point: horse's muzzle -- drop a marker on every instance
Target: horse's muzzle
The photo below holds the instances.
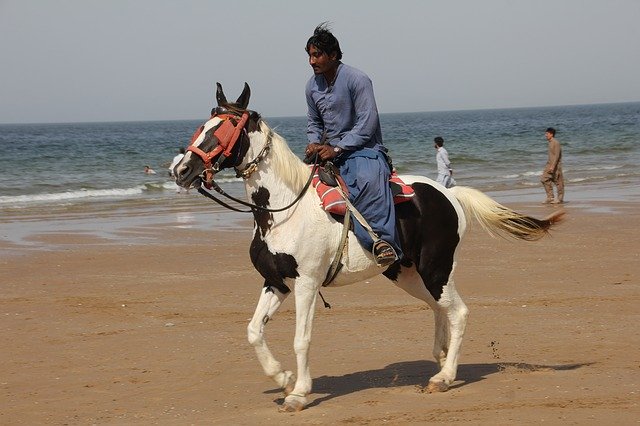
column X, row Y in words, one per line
column 187, row 176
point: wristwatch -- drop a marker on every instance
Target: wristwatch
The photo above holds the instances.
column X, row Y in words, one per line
column 337, row 150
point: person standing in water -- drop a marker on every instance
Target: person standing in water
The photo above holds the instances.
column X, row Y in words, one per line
column 552, row 173
column 445, row 172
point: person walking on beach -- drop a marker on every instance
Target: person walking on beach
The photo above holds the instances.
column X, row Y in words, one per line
column 341, row 106
column 552, row 174
column 445, row 172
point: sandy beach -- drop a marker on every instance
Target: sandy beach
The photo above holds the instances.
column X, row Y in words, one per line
column 97, row 331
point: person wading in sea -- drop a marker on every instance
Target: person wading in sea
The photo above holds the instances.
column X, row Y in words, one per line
column 552, row 174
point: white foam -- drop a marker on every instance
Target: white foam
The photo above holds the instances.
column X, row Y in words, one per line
column 72, row 195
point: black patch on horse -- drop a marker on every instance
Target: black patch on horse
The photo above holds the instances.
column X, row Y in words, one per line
column 274, row 267
column 263, row 219
column 428, row 230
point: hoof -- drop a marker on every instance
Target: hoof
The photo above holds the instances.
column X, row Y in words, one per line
column 290, row 384
column 292, row 406
column 439, row 386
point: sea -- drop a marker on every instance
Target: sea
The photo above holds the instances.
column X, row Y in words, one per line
column 74, row 177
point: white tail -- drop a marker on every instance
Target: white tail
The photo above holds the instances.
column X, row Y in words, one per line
column 498, row 219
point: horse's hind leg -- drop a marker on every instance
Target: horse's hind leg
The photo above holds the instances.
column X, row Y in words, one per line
column 441, row 339
column 451, row 320
column 450, row 314
column 269, row 302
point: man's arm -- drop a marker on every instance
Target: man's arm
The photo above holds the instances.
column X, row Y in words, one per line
column 315, row 124
column 366, row 120
column 447, row 163
column 554, row 156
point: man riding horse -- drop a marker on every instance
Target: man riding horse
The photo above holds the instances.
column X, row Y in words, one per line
column 342, row 107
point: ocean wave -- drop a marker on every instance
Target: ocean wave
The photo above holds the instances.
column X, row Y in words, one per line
column 566, row 169
column 587, row 179
column 97, row 194
column 521, row 175
column 73, row 195
column 603, row 168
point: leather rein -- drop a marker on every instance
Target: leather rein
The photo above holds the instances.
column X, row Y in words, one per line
column 228, row 135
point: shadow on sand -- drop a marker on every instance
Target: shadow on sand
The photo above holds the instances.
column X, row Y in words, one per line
column 414, row 373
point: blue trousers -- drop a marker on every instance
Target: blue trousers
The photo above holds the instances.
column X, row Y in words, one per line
column 366, row 173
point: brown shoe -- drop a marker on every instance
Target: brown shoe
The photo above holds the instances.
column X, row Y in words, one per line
column 385, row 254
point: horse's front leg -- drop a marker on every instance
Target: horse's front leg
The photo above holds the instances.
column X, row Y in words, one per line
column 306, row 295
column 269, row 302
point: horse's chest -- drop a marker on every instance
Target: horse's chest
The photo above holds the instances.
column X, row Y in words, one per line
column 274, row 267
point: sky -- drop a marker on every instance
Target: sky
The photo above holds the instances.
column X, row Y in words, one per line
column 137, row 60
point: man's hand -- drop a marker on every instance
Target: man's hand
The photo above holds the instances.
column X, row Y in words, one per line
column 312, row 148
column 325, row 152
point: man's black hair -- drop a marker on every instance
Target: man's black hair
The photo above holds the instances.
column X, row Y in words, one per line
column 552, row 131
column 438, row 140
column 324, row 41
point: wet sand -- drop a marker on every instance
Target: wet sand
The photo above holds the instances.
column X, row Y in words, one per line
column 150, row 328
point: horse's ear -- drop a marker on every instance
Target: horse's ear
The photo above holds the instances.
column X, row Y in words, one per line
column 220, row 97
column 243, row 99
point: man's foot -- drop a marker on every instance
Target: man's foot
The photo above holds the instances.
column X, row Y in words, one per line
column 557, row 202
column 547, row 201
column 383, row 252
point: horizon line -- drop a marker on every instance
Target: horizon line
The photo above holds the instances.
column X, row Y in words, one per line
column 302, row 116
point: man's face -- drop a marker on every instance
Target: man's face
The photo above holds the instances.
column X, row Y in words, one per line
column 548, row 135
column 320, row 61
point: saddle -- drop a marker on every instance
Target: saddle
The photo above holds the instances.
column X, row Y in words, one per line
column 326, row 180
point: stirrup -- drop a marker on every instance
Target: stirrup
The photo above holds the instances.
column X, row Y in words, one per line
column 384, row 253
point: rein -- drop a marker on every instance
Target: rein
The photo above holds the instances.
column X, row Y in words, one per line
column 253, row 207
column 252, row 166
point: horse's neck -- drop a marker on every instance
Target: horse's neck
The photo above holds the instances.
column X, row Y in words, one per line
column 266, row 183
column 280, row 176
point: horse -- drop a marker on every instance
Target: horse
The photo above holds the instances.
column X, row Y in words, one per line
column 287, row 215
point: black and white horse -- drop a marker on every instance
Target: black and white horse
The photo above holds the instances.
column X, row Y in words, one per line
column 431, row 226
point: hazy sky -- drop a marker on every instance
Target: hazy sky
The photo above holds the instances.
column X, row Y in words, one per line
column 90, row 60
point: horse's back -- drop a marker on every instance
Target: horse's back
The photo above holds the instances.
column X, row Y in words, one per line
column 430, row 229
column 436, row 201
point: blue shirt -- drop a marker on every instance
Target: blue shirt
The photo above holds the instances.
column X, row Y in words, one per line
column 348, row 113
column 346, row 110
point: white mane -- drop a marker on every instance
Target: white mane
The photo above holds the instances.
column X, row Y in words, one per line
column 285, row 163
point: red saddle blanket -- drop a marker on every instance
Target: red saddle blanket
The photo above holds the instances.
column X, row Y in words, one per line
column 332, row 201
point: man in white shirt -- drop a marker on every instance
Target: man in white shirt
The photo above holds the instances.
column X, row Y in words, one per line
column 174, row 163
column 445, row 172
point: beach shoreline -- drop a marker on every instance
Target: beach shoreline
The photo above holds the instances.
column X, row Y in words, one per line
column 141, row 222
column 148, row 325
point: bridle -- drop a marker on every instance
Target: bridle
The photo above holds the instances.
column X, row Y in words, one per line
column 228, row 135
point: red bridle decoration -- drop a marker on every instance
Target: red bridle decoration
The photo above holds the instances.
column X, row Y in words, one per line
column 227, row 135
